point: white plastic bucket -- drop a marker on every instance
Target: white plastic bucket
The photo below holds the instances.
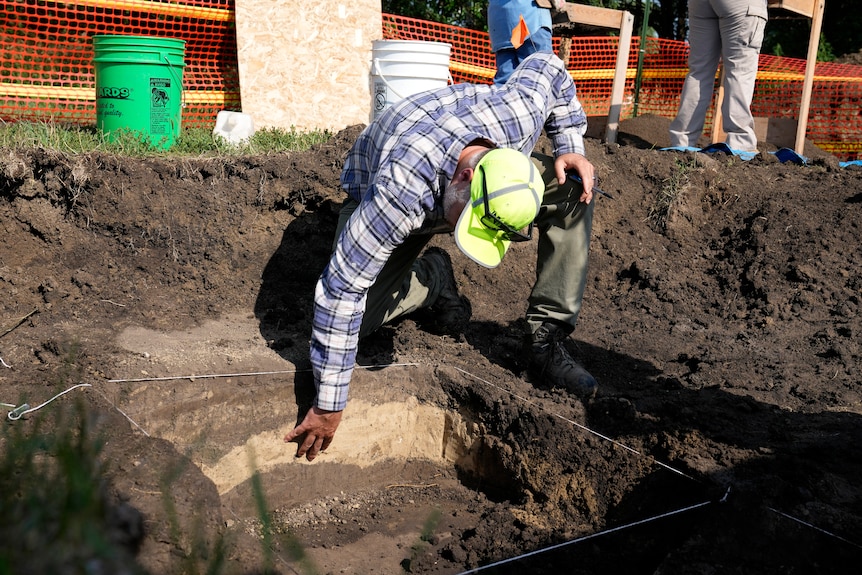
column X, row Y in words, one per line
column 401, row 68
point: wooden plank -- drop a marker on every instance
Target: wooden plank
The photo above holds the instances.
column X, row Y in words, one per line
column 605, row 18
column 597, row 127
column 589, row 15
column 779, row 132
column 776, row 131
column 803, row 7
column 565, row 49
column 306, row 64
column 718, row 134
column 808, row 82
column 618, row 88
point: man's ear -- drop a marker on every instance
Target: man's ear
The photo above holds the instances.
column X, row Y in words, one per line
column 463, row 175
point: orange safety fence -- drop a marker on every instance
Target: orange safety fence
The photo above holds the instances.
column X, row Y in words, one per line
column 47, row 72
column 834, row 121
column 46, row 66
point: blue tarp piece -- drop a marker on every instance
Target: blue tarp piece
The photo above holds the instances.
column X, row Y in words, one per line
column 725, row 149
column 850, row 163
column 784, row 154
column 718, row 148
column 788, row 155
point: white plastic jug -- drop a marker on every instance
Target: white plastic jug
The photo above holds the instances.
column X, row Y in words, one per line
column 235, row 127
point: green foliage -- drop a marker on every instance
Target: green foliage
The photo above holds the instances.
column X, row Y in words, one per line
column 798, row 50
column 428, row 528
column 472, row 14
column 48, row 135
column 56, row 512
column 670, row 190
column 59, row 517
column 667, row 17
column 191, row 142
column 842, row 26
column 277, row 140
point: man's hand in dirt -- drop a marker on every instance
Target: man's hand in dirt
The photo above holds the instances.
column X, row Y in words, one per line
column 584, row 169
column 319, row 428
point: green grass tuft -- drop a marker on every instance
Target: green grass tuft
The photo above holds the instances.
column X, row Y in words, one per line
column 191, row 141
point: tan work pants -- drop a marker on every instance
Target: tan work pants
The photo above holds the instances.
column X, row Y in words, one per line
column 408, row 283
column 732, row 31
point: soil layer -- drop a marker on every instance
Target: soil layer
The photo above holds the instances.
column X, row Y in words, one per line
column 722, row 320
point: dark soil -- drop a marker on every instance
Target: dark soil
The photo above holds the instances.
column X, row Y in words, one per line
column 722, row 320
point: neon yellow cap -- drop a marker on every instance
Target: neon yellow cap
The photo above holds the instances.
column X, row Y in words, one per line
column 514, row 191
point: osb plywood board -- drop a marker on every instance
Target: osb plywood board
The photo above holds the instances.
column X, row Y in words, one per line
column 306, row 63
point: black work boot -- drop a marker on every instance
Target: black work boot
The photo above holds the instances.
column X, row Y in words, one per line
column 551, row 361
column 450, row 311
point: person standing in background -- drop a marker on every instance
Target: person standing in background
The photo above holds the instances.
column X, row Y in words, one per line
column 730, row 31
column 518, row 28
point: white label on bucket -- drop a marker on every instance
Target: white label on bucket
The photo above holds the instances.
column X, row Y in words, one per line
column 379, row 97
column 160, row 98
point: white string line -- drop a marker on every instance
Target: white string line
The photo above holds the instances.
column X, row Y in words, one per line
column 123, row 413
column 25, row 408
column 578, row 425
column 19, row 411
column 581, row 539
column 4, row 363
column 248, row 374
column 815, row 528
column 524, row 399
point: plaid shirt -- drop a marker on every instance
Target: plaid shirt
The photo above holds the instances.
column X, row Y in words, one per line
column 399, row 167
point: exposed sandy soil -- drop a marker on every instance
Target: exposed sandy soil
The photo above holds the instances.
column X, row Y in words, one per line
column 722, row 319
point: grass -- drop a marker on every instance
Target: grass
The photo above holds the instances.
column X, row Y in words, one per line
column 57, row 510
column 59, row 515
column 667, row 194
column 191, row 141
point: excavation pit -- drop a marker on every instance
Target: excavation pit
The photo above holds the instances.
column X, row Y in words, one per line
column 725, row 343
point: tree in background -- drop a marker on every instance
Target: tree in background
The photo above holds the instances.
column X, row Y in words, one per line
column 472, row 14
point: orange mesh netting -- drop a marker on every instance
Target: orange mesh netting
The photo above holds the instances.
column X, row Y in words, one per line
column 834, row 121
column 47, row 73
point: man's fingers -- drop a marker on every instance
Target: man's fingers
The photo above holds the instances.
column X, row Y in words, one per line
column 296, row 432
column 326, row 442
column 305, row 446
column 314, row 449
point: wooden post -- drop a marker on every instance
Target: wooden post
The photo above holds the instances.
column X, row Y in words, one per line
column 627, row 21
column 565, row 49
column 718, row 134
column 604, row 18
column 808, row 82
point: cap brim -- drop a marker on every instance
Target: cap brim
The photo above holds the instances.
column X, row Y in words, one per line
column 480, row 244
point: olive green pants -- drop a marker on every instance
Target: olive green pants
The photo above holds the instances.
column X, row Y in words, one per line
column 408, row 283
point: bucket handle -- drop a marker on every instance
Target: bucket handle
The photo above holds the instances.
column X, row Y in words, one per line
column 179, row 81
column 376, row 66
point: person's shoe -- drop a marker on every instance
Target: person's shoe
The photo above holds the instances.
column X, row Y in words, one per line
column 552, row 362
column 450, row 311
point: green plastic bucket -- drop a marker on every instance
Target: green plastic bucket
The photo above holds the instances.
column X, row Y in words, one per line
column 139, row 86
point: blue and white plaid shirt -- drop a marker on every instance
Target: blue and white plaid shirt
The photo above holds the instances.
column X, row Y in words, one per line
column 396, row 171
